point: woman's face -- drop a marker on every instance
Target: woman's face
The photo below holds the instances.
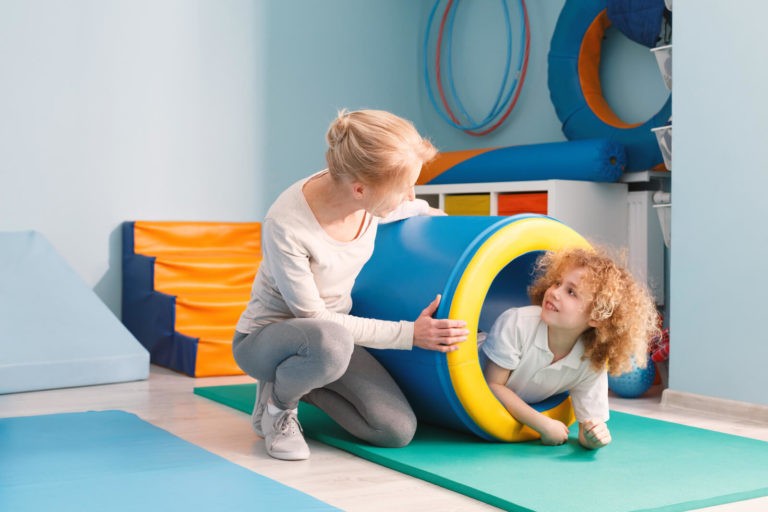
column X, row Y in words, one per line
column 385, row 200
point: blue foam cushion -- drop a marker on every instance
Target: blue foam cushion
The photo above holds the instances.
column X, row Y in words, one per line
column 55, row 331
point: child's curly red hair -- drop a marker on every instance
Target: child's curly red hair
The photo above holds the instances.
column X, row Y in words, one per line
column 622, row 308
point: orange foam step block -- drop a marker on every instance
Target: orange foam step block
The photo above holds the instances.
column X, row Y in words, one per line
column 185, row 285
column 179, row 274
column 214, row 350
column 214, row 310
column 161, row 237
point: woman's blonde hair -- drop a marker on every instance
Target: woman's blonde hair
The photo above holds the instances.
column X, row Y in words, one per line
column 375, row 147
column 622, row 309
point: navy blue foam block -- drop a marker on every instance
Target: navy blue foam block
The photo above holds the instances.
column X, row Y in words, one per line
column 113, row 461
column 55, row 332
column 151, row 315
column 583, row 160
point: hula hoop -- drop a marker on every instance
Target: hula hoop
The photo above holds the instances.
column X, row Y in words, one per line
column 504, row 102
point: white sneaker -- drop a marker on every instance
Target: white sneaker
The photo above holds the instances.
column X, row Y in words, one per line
column 263, row 392
column 283, row 435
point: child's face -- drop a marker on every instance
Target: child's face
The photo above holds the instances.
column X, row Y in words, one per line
column 566, row 303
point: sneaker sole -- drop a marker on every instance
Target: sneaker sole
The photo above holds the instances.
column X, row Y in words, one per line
column 288, row 455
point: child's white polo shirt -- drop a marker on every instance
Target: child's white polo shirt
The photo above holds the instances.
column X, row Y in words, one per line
column 518, row 342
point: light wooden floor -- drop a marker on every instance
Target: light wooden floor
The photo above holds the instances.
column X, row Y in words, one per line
column 345, row 481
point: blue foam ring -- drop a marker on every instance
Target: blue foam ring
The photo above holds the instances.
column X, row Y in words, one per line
column 579, row 121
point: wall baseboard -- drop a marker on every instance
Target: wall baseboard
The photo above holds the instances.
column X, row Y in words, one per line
column 720, row 406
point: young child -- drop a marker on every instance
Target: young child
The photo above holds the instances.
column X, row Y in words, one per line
column 590, row 317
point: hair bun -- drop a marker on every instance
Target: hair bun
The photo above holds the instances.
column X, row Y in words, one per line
column 339, row 129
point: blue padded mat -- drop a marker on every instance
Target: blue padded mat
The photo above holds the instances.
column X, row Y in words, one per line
column 114, row 461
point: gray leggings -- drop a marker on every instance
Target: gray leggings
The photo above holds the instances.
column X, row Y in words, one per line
column 317, row 361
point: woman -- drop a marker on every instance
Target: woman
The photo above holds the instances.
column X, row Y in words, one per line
column 296, row 335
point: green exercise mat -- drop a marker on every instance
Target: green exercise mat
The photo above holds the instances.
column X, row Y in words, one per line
column 651, row 464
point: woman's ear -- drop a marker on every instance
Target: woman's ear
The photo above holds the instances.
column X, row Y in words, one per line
column 358, row 190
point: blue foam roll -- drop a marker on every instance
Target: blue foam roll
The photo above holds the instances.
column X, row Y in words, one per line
column 584, row 160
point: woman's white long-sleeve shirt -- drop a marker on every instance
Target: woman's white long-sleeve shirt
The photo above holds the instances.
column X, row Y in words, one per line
column 305, row 273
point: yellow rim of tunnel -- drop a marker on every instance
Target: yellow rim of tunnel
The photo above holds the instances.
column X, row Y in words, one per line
column 499, row 250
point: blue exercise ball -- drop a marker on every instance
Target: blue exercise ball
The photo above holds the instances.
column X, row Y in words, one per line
column 633, row 383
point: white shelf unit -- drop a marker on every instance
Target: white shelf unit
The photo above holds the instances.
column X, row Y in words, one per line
column 646, row 242
column 604, row 213
column 598, row 211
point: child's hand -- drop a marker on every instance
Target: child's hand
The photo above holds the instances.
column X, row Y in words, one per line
column 553, row 432
column 442, row 335
column 594, row 434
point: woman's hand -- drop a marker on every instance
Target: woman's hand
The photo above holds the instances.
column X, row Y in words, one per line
column 436, row 212
column 442, row 335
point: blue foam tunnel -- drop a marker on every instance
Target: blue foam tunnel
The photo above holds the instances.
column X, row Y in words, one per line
column 481, row 266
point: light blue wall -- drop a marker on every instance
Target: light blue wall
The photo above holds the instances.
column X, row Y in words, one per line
column 720, row 244
column 324, row 56
column 113, row 110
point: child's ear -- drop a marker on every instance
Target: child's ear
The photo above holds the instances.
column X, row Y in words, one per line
column 593, row 323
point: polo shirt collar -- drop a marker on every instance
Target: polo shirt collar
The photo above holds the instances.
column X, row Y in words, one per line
column 572, row 360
